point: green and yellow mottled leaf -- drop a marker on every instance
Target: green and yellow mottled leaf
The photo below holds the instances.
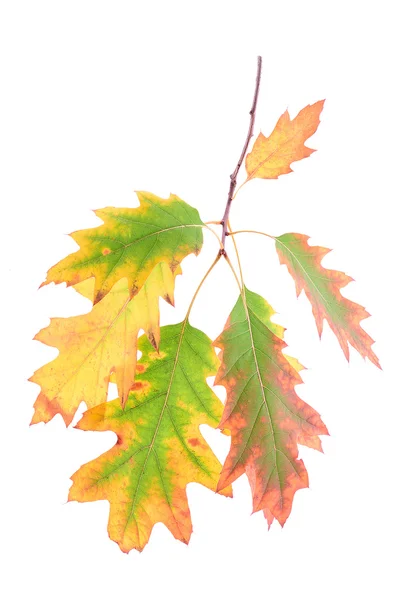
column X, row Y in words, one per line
column 130, row 243
column 101, row 342
column 272, row 156
column 160, row 448
column 322, row 287
column 266, row 417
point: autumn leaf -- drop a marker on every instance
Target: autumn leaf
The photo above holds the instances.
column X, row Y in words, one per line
column 160, row 284
column 160, row 448
column 272, row 156
column 266, row 417
column 322, row 287
column 101, row 342
column 124, row 266
column 304, row 439
column 130, row 243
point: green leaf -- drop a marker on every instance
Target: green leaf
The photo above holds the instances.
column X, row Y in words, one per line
column 130, row 243
column 160, row 448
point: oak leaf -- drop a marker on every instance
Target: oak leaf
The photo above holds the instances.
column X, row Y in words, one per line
column 272, row 156
column 124, row 266
column 130, row 243
column 101, row 342
column 322, row 287
column 266, row 417
column 160, row 448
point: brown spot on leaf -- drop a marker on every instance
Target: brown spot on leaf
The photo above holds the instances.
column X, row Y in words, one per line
column 194, row 442
column 173, row 265
column 152, row 339
column 168, row 299
column 106, row 251
column 140, row 368
column 99, row 296
column 140, row 385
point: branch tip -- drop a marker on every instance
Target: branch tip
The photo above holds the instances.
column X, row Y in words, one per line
column 234, row 175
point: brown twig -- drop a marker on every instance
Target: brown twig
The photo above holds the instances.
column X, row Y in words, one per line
column 234, row 175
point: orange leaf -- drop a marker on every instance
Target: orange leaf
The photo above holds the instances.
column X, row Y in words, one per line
column 272, row 156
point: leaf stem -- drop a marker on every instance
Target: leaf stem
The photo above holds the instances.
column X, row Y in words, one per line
column 237, row 254
column 215, row 234
column 233, row 176
column 273, row 237
column 231, row 266
column 217, row 258
column 232, row 233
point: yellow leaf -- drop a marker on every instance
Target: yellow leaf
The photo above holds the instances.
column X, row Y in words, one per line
column 101, row 342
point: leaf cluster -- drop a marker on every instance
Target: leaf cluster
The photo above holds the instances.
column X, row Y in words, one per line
column 124, row 266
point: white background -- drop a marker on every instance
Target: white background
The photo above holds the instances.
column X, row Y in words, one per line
column 101, row 98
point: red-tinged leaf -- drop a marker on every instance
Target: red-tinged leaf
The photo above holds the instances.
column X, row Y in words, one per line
column 266, row 417
column 322, row 287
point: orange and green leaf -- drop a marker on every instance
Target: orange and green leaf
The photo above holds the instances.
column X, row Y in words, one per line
column 266, row 417
column 130, row 243
column 160, row 448
column 322, row 287
column 101, row 342
column 272, row 156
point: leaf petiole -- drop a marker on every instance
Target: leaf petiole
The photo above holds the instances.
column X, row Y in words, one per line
column 214, row 232
column 217, row 258
column 273, row 237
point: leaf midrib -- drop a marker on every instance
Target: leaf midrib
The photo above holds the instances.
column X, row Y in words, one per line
column 124, row 246
column 271, row 154
column 151, row 445
column 258, row 373
column 257, row 364
column 306, row 273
